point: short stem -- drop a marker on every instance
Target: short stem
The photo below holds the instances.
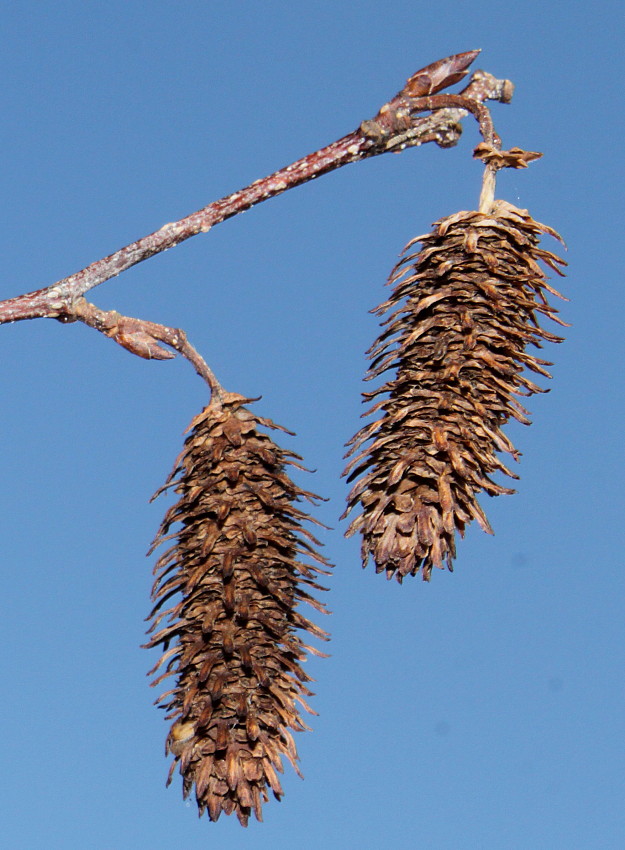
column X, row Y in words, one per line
column 142, row 338
column 438, row 101
column 201, row 367
column 487, row 195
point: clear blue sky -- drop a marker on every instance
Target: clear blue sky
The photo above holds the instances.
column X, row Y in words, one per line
column 484, row 710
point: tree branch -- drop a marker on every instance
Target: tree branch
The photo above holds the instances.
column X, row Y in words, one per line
column 142, row 338
column 397, row 126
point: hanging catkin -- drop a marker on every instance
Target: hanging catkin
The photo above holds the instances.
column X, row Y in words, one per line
column 464, row 310
column 233, row 577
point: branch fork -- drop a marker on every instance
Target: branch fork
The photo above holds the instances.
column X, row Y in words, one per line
column 140, row 337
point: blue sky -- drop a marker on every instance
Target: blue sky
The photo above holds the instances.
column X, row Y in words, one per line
column 484, row 710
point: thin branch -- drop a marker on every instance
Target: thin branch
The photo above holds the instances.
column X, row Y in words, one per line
column 394, row 128
column 142, row 338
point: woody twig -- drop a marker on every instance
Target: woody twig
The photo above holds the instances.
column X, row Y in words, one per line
column 399, row 124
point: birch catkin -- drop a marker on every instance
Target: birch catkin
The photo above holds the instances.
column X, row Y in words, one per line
column 239, row 565
column 464, row 310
